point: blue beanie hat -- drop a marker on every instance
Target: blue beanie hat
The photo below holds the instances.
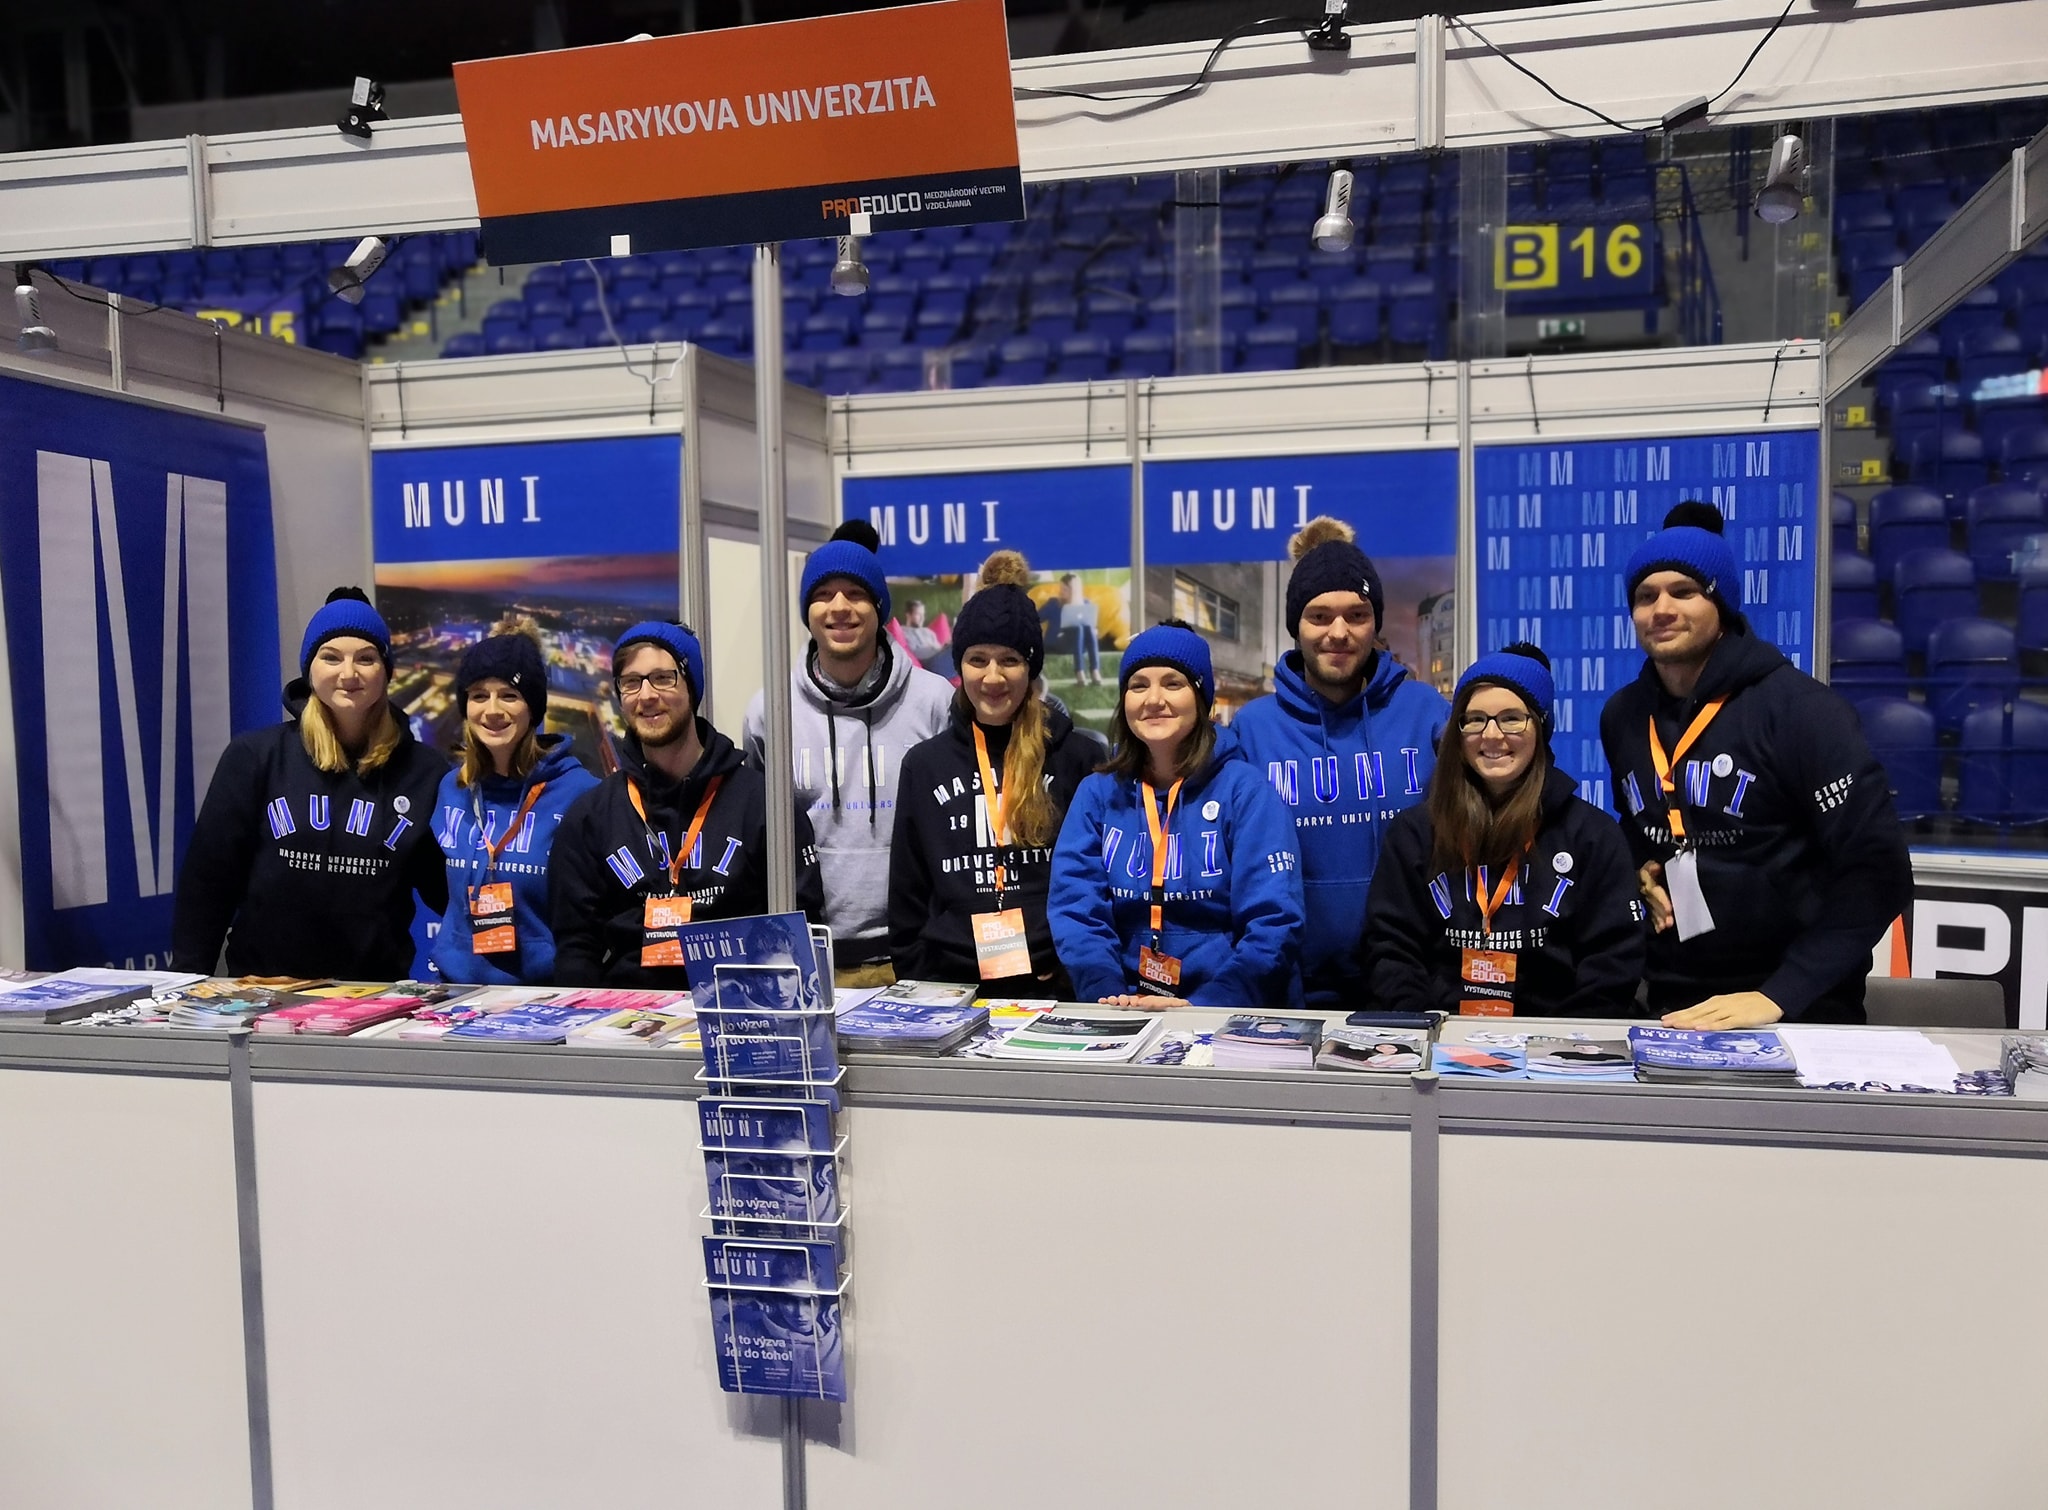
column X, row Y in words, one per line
column 1690, row 542
column 1171, row 642
column 678, row 640
column 346, row 614
column 1520, row 667
column 849, row 553
column 514, row 659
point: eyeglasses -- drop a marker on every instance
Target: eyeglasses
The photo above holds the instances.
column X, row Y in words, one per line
column 660, row 681
column 1473, row 725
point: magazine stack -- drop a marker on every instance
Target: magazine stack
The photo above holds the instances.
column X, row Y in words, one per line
column 775, row 1261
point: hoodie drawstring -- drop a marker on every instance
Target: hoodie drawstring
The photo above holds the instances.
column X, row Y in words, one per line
column 832, row 733
column 868, row 718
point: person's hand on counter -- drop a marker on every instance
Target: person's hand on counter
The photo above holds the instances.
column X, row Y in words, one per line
column 1144, row 1003
column 1737, row 1009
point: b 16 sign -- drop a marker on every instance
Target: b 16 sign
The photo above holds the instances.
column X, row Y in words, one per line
column 903, row 117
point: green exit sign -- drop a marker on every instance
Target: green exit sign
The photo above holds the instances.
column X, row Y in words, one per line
column 1561, row 330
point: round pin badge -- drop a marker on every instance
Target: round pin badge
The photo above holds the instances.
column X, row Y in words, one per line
column 401, row 804
column 1561, row 862
column 1212, row 810
column 1723, row 763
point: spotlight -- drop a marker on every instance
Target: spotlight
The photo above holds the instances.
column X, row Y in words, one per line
column 1783, row 195
column 1334, row 230
column 365, row 104
column 35, row 335
column 348, row 279
column 849, row 273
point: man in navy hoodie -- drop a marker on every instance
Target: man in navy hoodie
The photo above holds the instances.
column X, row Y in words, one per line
column 1770, row 857
column 1347, row 739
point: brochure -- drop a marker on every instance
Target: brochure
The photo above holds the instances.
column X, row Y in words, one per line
column 771, row 1344
column 1375, row 1051
column 1680, row 1056
column 905, row 1026
column 799, row 1191
column 759, row 1029
column 634, row 1028
column 538, row 1022
column 771, row 1264
column 335, row 1019
column 1253, row 1041
column 765, row 1125
column 781, row 938
column 1474, row 1061
column 1580, row 1059
column 1095, row 1034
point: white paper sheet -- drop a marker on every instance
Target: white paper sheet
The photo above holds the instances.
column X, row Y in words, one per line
column 1865, row 1056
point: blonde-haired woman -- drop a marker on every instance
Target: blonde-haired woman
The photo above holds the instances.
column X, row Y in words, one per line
column 979, row 806
column 315, row 833
column 497, row 814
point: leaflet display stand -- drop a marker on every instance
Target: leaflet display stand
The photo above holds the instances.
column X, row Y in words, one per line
column 775, row 1263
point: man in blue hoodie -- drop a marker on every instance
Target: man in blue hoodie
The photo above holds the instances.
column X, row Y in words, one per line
column 1347, row 739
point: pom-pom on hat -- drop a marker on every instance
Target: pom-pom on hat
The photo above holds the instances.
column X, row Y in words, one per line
column 1690, row 542
column 677, row 640
column 347, row 614
column 514, row 659
column 1327, row 559
column 1170, row 643
column 1521, row 668
column 849, row 553
column 1001, row 613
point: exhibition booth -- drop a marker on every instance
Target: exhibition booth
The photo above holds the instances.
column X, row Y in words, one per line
column 293, row 1274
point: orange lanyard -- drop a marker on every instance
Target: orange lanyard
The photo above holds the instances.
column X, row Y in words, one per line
column 993, row 800
column 1667, row 764
column 1158, row 830
column 504, row 839
column 675, row 864
column 1487, row 908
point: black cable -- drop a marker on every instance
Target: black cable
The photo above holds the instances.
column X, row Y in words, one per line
column 1753, row 52
column 1302, row 25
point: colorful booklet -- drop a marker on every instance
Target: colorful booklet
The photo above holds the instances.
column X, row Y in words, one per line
column 72, row 994
column 335, row 1019
column 903, row 1026
column 1376, row 1051
column 634, row 1028
column 1250, row 1041
column 542, row 1022
column 1580, row 1059
column 1476, row 1061
column 1098, row 1035
column 438, row 1019
column 1681, row 1056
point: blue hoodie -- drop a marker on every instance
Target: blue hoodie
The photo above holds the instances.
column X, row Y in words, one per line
column 1233, row 888
column 524, row 863
column 1344, row 770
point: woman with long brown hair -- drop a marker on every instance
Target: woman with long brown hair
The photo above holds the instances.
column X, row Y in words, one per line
column 979, row 805
column 1504, row 894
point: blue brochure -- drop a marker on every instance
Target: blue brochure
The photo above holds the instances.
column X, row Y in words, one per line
column 1682, row 1049
column 779, row 938
column 758, row 1029
column 879, row 1020
column 771, row 1264
column 768, row 1124
column 770, row 1344
column 541, row 1022
column 747, row 1189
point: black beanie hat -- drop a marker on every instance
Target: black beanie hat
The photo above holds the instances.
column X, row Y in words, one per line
column 1002, row 613
column 1327, row 560
column 514, row 659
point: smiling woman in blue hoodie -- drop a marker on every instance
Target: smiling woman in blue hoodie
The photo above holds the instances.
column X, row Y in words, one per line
column 1175, row 879
column 1348, row 739
column 496, row 815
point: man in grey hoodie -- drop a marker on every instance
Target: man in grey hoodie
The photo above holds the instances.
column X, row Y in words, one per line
column 856, row 708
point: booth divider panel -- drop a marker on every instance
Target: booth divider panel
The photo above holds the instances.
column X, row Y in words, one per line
column 491, row 1299
column 121, row 1364
column 1700, row 1325
column 1098, row 1311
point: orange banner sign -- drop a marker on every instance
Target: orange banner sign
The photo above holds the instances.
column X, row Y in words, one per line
column 880, row 120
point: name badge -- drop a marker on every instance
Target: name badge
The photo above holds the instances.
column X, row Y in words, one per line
column 1689, row 908
column 490, row 919
column 1156, row 969
column 1000, row 948
column 660, row 917
column 1488, row 976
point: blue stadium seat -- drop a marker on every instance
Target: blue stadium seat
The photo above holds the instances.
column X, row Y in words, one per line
column 470, row 343
column 1148, row 353
column 508, row 343
column 381, row 314
column 505, row 317
column 1987, row 354
column 893, row 294
column 844, row 371
column 729, row 338
column 548, row 277
column 1971, row 664
column 937, row 326
column 1868, row 659
column 802, row 367
column 1903, row 737
column 545, row 316
column 2033, row 611
column 1412, row 317
column 1977, row 312
column 1299, row 305
column 1852, row 587
column 1110, row 315
column 880, row 329
column 1842, row 519
column 1949, row 460
column 2001, row 515
column 901, row 370
column 828, row 330
column 2002, row 776
column 1270, row 348
column 1996, row 422
column 1023, row 359
column 1902, row 519
column 1930, row 587
column 1355, row 314
column 1054, row 319
column 1275, row 270
column 1237, row 311
column 1083, row 358
column 567, row 339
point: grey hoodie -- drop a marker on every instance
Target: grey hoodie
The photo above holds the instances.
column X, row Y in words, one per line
column 854, row 815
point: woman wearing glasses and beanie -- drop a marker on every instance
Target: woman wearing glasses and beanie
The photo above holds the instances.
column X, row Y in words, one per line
column 1503, row 894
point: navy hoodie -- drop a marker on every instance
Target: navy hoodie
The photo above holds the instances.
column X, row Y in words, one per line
column 1574, row 920
column 1233, row 888
column 1801, row 857
column 603, row 867
column 308, row 872
column 942, row 861
column 523, row 862
column 1344, row 770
